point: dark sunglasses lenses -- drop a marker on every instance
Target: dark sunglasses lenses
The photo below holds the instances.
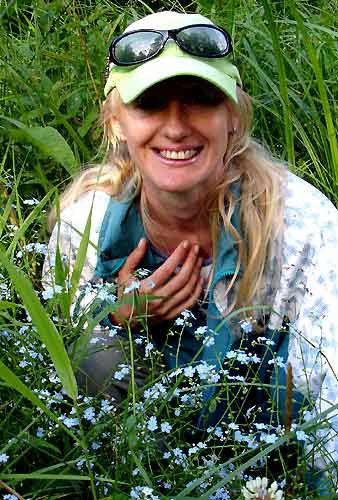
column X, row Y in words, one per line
column 137, row 47
column 204, row 41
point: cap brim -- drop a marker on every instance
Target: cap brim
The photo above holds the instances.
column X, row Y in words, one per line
column 130, row 84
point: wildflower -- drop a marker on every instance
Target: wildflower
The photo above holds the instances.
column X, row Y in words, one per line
column 268, row 438
column 258, row 488
column 278, row 361
column 119, row 375
column 220, row 494
column 95, row 445
column 31, row 202
column 246, row 326
column 155, row 392
column 260, row 426
column 142, row 273
column 51, row 291
column 40, row 432
column 201, row 331
column 152, row 424
column 69, row 422
column 166, row 427
column 301, row 436
column 196, row 448
column 3, row 458
column 233, row 426
column 149, row 347
column 179, row 322
column 209, row 341
column 189, row 371
column 106, row 406
column 143, row 493
column 134, row 285
column 89, row 415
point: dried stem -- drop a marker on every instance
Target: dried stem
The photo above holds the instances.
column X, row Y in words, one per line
column 10, row 490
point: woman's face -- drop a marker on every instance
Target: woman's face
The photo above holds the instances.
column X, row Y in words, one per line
column 177, row 133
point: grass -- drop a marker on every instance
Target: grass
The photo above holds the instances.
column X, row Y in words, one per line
column 59, row 442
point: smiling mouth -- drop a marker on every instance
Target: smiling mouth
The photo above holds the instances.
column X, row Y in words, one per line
column 184, row 154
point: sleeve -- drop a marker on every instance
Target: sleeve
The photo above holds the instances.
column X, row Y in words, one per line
column 313, row 349
column 66, row 236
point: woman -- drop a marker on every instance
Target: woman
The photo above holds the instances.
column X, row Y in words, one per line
column 223, row 230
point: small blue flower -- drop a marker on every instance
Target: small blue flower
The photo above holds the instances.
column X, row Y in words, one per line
column 89, row 414
column 166, row 427
column 246, row 326
column 152, row 424
column 3, row 458
column 301, row 436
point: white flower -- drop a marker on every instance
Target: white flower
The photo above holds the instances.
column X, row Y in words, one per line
column 33, row 201
column 179, row 321
column 258, row 488
column 209, row 341
column 134, row 285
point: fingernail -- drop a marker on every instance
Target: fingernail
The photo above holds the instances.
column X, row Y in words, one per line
column 140, row 243
column 185, row 244
column 196, row 249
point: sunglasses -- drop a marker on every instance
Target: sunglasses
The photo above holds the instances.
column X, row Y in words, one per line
column 139, row 46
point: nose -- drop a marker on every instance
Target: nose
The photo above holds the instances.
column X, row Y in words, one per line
column 176, row 120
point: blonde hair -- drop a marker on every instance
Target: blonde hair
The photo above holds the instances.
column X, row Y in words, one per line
column 261, row 200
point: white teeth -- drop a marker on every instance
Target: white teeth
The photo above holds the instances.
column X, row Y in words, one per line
column 178, row 155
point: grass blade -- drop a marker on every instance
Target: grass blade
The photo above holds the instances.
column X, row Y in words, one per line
column 46, row 329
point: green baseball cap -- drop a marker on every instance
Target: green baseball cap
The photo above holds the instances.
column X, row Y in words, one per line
column 132, row 81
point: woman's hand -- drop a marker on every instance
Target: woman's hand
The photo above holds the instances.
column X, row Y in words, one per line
column 176, row 291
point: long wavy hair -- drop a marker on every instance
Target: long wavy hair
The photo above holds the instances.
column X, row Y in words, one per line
column 261, row 199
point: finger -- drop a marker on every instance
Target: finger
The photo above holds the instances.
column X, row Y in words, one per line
column 173, row 313
column 167, row 269
column 181, row 279
column 180, row 297
column 133, row 261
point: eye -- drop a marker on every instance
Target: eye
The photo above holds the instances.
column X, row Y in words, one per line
column 204, row 96
column 150, row 102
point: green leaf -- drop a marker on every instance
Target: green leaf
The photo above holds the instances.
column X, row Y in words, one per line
column 46, row 329
column 48, row 140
